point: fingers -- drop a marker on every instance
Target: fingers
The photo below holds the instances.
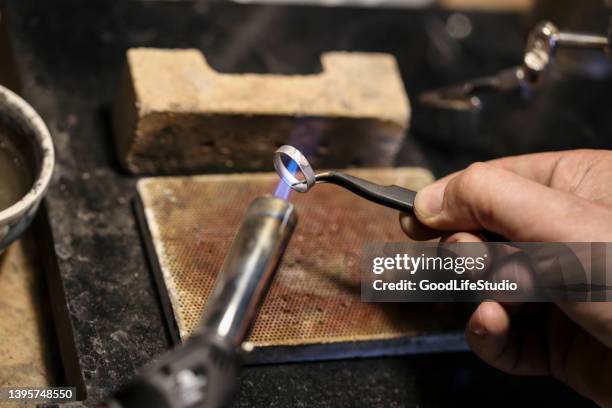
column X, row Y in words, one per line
column 560, row 170
column 491, row 337
column 464, row 237
column 539, row 167
column 415, row 229
column 563, row 171
column 594, row 317
column 580, row 360
column 489, row 197
column 488, row 335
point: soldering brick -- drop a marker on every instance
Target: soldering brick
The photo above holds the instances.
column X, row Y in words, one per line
column 314, row 300
column 175, row 114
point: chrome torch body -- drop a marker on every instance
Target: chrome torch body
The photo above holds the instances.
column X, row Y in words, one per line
column 202, row 372
column 252, row 260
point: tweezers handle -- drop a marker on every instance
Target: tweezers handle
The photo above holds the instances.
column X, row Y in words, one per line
column 392, row 196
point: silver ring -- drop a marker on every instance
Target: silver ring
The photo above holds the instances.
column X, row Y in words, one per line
column 289, row 177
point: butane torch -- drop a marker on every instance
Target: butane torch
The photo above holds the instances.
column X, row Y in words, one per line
column 202, row 372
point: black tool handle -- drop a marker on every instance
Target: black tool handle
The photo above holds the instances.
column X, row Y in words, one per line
column 201, row 372
column 396, row 197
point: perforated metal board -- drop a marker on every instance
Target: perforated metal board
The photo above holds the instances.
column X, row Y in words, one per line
column 315, row 297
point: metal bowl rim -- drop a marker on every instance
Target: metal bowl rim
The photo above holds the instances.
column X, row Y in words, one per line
column 43, row 142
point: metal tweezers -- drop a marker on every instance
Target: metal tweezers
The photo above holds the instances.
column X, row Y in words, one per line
column 392, row 196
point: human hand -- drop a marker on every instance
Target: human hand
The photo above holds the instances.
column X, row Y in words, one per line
column 556, row 197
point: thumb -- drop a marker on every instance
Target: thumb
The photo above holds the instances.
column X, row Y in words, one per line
column 494, row 199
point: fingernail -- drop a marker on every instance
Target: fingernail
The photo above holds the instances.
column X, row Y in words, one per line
column 477, row 329
column 479, row 332
column 475, row 324
column 428, row 201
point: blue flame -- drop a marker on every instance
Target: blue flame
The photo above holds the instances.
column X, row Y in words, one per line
column 283, row 189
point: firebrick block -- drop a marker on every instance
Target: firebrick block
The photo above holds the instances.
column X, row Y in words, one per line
column 175, row 114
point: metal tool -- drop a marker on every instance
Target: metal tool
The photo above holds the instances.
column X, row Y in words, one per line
column 202, row 372
column 543, row 42
column 464, row 97
column 392, row 196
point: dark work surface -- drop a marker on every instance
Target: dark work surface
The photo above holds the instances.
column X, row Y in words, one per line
column 69, row 55
column 441, row 380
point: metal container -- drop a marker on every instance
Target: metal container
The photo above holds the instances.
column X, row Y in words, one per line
column 31, row 144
